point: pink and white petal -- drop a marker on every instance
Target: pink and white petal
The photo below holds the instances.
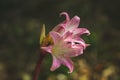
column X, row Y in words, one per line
column 55, row 64
column 77, row 38
column 66, row 15
column 55, row 36
column 78, row 46
column 47, row 49
column 80, row 31
column 79, row 41
column 76, row 51
column 83, row 45
column 62, row 25
column 68, row 63
column 67, row 36
column 79, row 51
column 59, row 28
column 73, row 24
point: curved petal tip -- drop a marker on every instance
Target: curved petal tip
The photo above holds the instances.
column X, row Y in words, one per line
column 66, row 15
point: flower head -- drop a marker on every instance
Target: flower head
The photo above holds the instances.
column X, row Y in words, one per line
column 62, row 50
column 70, row 25
column 66, row 42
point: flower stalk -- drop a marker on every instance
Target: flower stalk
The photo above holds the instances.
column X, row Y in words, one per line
column 38, row 66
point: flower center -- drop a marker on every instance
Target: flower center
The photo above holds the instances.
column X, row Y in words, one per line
column 59, row 49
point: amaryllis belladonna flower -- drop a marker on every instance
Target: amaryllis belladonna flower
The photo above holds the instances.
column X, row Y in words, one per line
column 71, row 25
column 65, row 42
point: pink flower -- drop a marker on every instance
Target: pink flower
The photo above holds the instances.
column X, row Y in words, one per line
column 62, row 50
column 66, row 42
column 71, row 25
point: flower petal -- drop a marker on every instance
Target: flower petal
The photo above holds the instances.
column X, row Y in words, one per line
column 76, row 50
column 47, row 49
column 66, row 15
column 73, row 24
column 67, row 62
column 79, row 42
column 59, row 28
column 55, row 36
column 67, row 36
column 81, row 31
column 56, row 63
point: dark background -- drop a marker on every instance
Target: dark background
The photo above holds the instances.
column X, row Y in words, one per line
column 20, row 25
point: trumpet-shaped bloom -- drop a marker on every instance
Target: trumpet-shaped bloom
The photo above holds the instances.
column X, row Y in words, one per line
column 62, row 50
column 71, row 25
column 67, row 42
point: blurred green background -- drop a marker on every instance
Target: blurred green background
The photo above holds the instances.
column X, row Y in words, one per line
column 20, row 25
